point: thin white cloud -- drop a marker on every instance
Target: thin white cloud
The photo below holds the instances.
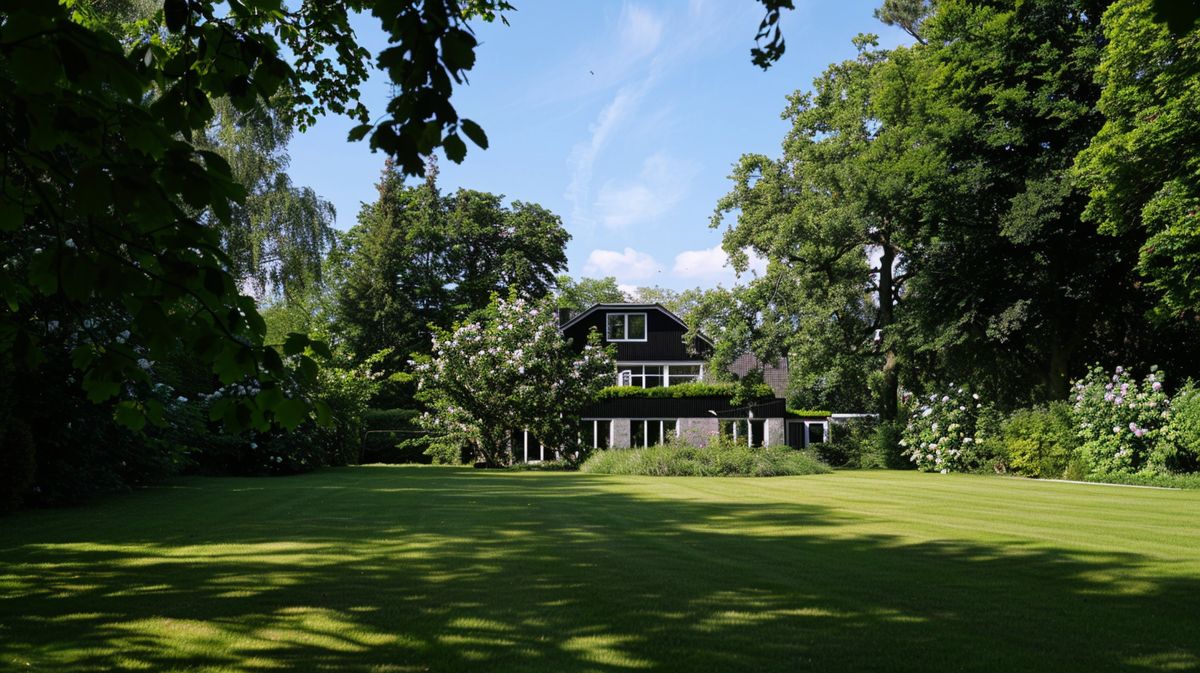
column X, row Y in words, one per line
column 660, row 186
column 712, row 265
column 583, row 154
column 640, row 31
column 636, row 60
column 628, row 265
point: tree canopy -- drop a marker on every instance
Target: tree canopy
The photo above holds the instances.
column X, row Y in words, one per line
column 580, row 295
column 929, row 219
column 421, row 260
column 510, row 370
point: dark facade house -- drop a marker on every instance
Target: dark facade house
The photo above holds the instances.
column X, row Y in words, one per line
column 652, row 352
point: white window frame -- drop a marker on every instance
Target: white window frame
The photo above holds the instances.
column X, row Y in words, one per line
column 750, row 430
column 645, row 322
column 824, row 432
column 542, row 449
column 646, row 436
column 804, row 426
column 595, row 434
column 625, row 372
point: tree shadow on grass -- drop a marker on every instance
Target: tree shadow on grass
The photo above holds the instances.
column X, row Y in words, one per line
column 444, row 570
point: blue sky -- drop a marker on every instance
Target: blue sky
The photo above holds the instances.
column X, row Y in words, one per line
column 622, row 117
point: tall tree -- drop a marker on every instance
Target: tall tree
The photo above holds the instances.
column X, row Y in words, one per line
column 277, row 237
column 833, row 216
column 510, row 369
column 679, row 302
column 1142, row 170
column 1016, row 292
column 419, row 260
column 579, row 295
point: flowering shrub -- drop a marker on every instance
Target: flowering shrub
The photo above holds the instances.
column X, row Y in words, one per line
column 940, row 434
column 1181, row 453
column 1119, row 419
column 512, row 371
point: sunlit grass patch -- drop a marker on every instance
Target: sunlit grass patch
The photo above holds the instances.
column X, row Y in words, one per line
column 381, row 569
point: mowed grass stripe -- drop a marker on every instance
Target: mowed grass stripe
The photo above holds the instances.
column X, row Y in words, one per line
column 392, row 569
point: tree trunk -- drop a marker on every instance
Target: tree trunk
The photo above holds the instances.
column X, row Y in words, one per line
column 494, row 449
column 890, row 393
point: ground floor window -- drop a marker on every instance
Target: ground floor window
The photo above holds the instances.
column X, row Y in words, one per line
column 752, row 431
column 802, row 434
column 816, row 433
column 595, row 433
column 652, row 431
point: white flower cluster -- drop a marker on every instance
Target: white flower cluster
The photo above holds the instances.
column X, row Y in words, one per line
column 940, row 434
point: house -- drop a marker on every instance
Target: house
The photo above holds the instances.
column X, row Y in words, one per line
column 653, row 353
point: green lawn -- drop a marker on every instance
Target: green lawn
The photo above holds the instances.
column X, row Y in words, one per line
column 426, row 569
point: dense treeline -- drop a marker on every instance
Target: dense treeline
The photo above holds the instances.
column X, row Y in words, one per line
column 970, row 208
column 994, row 209
column 148, row 217
column 1003, row 203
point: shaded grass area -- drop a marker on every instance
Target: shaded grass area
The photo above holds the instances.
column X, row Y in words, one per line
column 439, row 569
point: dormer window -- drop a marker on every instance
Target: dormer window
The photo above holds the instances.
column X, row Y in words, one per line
column 626, row 327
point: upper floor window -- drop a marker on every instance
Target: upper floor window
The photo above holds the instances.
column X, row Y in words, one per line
column 652, row 376
column 626, row 327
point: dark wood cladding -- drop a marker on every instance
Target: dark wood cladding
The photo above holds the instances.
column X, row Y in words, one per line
column 683, row 407
column 665, row 337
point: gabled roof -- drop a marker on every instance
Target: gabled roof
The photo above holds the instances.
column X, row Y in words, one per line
column 635, row 307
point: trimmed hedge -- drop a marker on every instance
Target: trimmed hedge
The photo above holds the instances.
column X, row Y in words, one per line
column 682, row 390
column 719, row 460
column 808, row 413
column 1189, row 481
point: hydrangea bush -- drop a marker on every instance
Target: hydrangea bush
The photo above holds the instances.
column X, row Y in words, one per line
column 510, row 371
column 1120, row 420
column 940, row 433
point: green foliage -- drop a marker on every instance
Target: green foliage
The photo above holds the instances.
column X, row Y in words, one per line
column 679, row 302
column 887, row 445
column 1180, row 450
column 718, row 459
column 908, row 15
column 1188, row 481
column 393, row 436
column 808, row 413
column 419, row 261
column 511, row 370
column 545, row 466
column 923, row 222
column 1008, row 98
column 109, row 254
column 853, row 443
column 583, row 294
column 682, row 390
column 1120, row 420
column 841, row 188
column 1136, row 180
column 1037, row 442
column 941, row 433
column 277, row 237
